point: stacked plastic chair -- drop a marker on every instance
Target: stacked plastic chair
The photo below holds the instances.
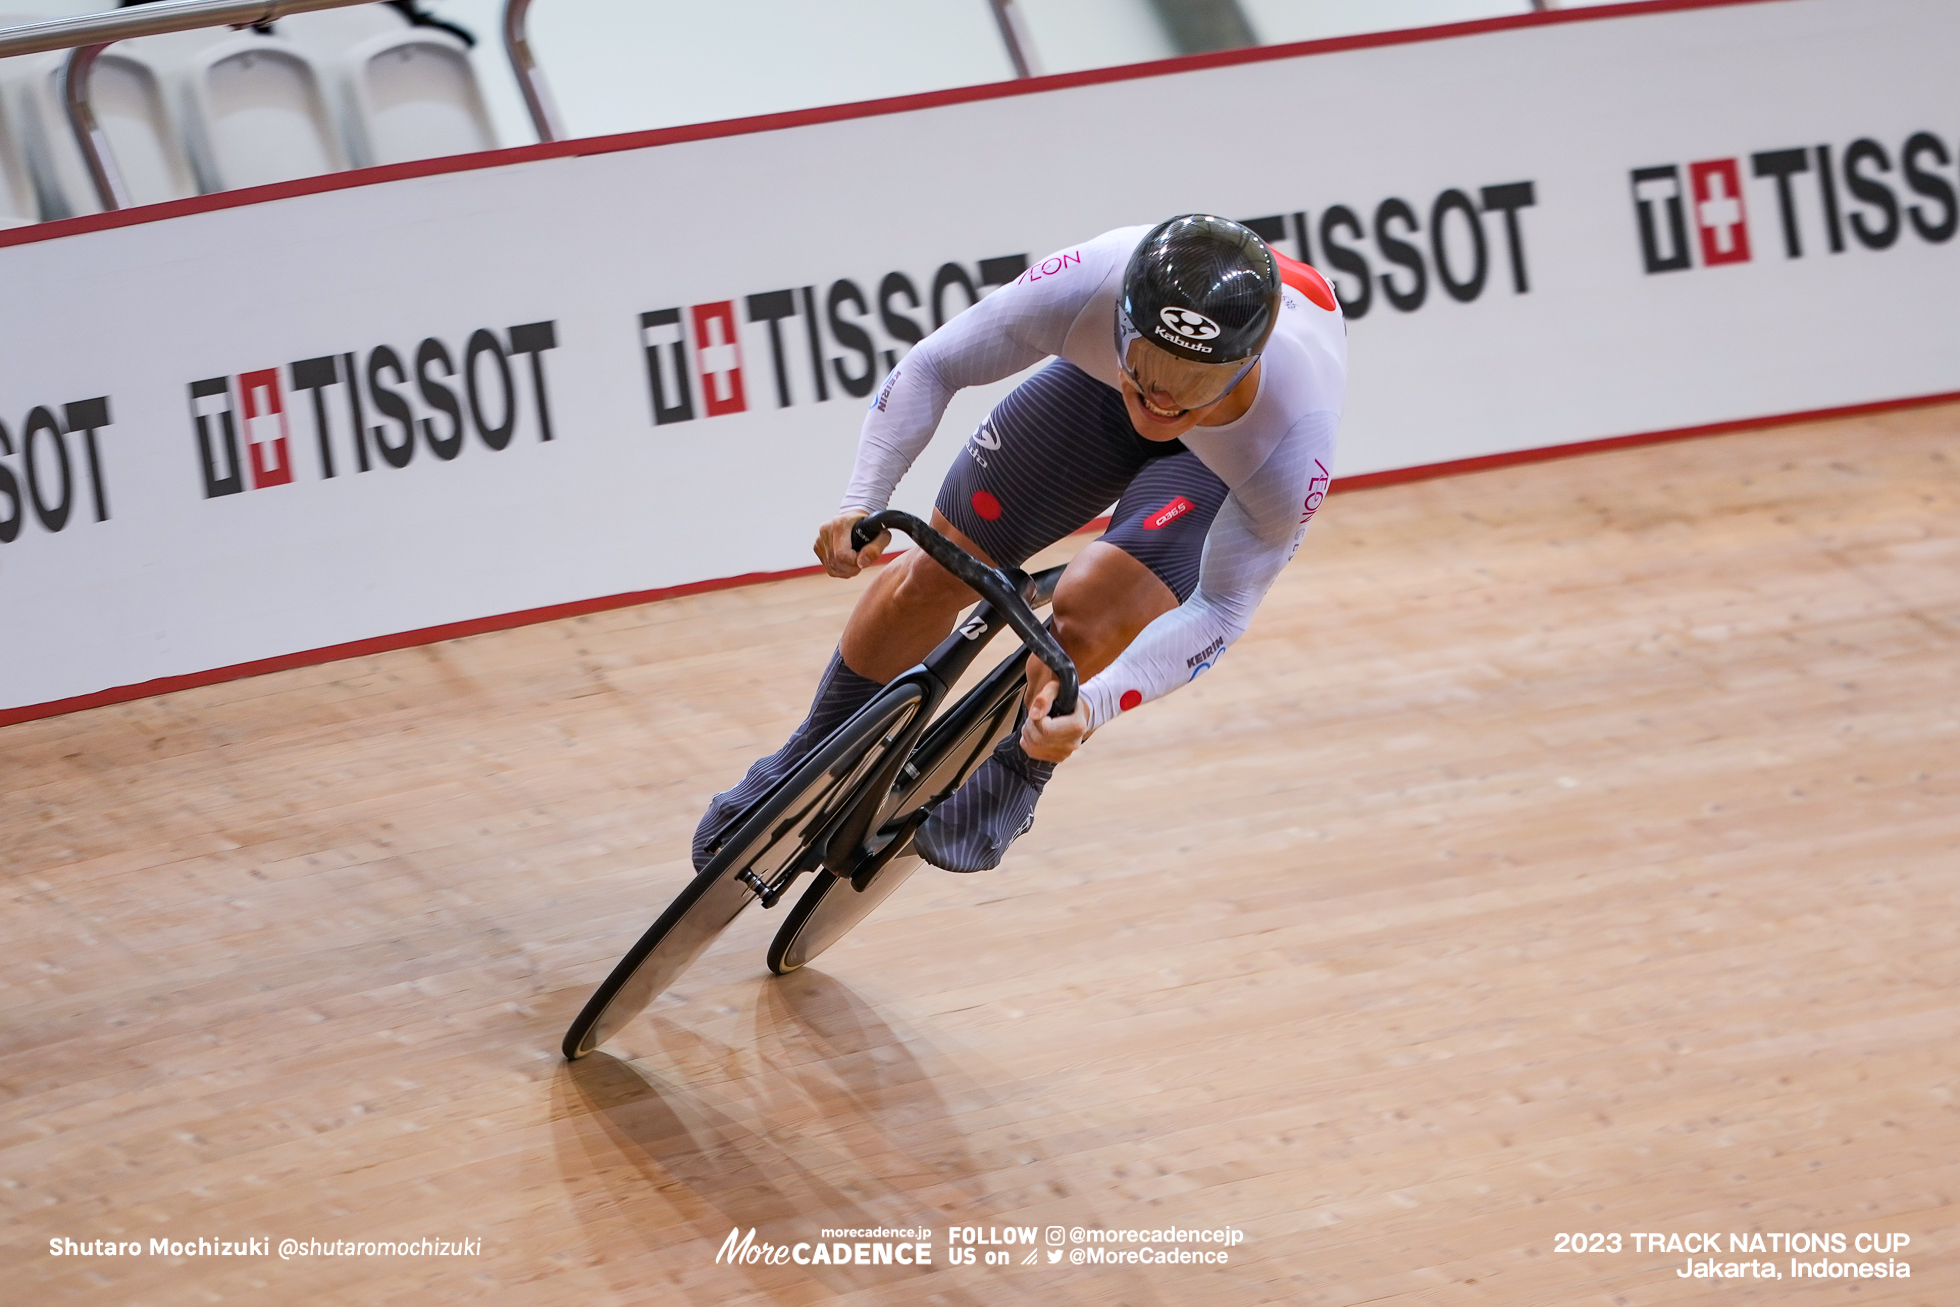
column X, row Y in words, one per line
column 130, row 95
column 255, row 111
column 214, row 110
column 404, row 92
column 18, row 205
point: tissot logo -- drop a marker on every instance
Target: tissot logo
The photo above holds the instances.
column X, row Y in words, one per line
column 1189, row 323
column 1455, row 243
column 267, row 437
column 719, row 357
column 1864, row 193
column 1714, row 199
column 42, row 472
column 794, row 345
column 479, row 380
column 1717, row 187
column 1663, row 224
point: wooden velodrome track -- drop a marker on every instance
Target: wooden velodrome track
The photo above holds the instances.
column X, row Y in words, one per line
column 1570, row 847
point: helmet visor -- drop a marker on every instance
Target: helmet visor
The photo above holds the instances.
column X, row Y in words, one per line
column 1172, row 383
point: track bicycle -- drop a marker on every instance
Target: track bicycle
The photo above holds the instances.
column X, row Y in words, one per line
column 848, row 812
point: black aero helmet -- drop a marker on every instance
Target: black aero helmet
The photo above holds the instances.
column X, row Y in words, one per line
column 1202, row 288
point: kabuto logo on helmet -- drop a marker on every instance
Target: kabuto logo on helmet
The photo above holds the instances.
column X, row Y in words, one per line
column 1189, row 323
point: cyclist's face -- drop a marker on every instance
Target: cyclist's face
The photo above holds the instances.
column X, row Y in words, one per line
column 1167, row 396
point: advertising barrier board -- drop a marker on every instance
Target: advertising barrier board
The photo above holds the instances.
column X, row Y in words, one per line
column 271, row 425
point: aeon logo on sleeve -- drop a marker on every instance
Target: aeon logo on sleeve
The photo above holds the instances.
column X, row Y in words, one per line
column 1317, row 487
column 1864, row 192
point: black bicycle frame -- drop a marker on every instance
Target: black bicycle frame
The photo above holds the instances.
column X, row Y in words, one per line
column 935, row 678
column 1006, row 596
column 1003, row 590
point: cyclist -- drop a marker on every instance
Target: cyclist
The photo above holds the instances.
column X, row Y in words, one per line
column 1197, row 381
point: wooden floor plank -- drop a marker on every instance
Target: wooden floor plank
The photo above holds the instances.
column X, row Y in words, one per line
column 1568, row 847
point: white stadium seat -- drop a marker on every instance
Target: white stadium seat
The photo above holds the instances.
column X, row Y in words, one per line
column 32, row 90
column 413, row 95
column 129, row 91
column 255, row 113
column 211, row 109
column 18, row 204
column 129, row 99
column 18, row 207
column 403, row 92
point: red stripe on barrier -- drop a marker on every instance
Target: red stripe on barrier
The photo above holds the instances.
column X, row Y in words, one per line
column 828, row 113
column 578, row 608
column 1547, row 453
column 385, row 643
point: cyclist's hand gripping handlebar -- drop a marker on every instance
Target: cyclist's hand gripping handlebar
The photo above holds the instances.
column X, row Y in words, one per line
column 991, row 583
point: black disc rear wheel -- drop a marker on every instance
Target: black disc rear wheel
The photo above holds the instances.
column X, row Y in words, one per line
column 952, row 748
column 777, row 836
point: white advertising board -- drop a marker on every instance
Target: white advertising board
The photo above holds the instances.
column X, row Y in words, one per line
column 409, row 402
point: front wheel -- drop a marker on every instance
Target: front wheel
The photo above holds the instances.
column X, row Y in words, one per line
column 953, row 747
column 830, row 907
column 776, row 837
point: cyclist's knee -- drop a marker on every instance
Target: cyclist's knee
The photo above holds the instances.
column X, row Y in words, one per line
column 923, row 586
column 1092, row 635
column 1105, row 598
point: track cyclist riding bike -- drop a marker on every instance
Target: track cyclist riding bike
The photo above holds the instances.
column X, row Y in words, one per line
column 1197, row 381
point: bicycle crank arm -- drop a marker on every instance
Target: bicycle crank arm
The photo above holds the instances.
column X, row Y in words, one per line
column 873, row 863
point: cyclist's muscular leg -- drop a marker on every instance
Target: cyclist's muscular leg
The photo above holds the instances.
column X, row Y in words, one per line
column 1146, row 565
column 1106, row 597
column 1048, row 459
column 908, row 609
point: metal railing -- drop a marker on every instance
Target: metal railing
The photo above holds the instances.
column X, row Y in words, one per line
column 530, row 78
column 149, row 20
column 88, row 36
column 1013, row 35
